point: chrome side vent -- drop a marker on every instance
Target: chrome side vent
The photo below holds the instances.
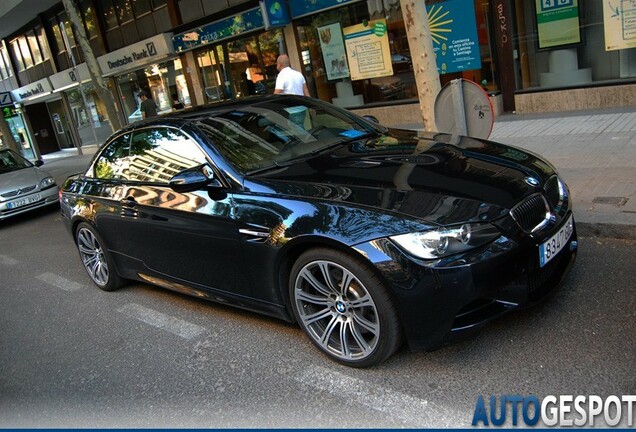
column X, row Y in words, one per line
column 254, row 236
column 532, row 214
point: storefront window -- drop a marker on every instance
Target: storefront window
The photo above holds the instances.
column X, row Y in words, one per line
column 161, row 81
column 242, row 67
column 584, row 52
column 13, row 118
column 400, row 85
column 90, row 119
column 345, row 92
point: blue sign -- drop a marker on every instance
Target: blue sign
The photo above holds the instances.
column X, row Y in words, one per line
column 276, row 13
column 240, row 23
column 6, row 99
column 300, row 8
column 454, row 32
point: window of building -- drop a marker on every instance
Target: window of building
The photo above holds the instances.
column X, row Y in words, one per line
column 3, row 70
column 4, row 57
column 17, row 55
column 141, row 7
column 34, row 47
column 124, row 11
column 401, row 85
column 88, row 17
column 241, row 67
column 24, row 50
column 44, row 46
column 583, row 54
column 57, row 35
column 129, row 21
column 110, row 16
column 161, row 81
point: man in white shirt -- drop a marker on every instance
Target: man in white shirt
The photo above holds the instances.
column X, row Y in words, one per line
column 289, row 81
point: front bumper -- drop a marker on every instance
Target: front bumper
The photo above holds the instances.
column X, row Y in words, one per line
column 440, row 302
column 37, row 199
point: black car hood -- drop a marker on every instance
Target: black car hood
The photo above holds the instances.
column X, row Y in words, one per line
column 435, row 177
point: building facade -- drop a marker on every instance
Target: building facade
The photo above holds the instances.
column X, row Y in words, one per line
column 529, row 56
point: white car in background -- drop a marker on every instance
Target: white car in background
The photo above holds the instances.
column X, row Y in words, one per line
column 23, row 186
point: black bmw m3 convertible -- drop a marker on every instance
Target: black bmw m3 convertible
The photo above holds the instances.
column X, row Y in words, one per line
column 367, row 237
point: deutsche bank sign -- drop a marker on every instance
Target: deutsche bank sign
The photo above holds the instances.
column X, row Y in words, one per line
column 6, row 99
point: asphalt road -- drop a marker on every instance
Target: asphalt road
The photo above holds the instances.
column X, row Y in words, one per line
column 74, row 356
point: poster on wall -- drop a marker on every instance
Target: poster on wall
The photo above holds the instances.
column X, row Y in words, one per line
column 558, row 22
column 368, row 50
column 454, row 33
column 333, row 51
column 619, row 19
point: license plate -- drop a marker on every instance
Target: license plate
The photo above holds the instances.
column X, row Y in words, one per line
column 24, row 201
column 554, row 244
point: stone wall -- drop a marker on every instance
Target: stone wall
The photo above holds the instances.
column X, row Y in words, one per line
column 576, row 99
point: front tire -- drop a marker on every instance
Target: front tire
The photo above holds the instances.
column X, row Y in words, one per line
column 344, row 308
column 96, row 259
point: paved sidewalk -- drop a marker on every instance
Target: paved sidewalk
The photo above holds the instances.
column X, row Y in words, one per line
column 594, row 151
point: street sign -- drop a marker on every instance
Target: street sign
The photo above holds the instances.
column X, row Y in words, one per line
column 6, row 99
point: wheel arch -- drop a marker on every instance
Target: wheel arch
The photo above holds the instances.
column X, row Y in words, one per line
column 295, row 248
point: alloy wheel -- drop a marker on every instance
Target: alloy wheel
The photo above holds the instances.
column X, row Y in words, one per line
column 92, row 256
column 337, row 310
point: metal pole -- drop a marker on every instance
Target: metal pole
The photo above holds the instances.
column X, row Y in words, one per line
column 457, row 86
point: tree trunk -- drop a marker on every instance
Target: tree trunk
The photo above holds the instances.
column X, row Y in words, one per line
column 7, row 137
column 423, row 58
column 93, row 67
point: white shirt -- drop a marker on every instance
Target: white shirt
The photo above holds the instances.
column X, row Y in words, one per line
column 290, row 81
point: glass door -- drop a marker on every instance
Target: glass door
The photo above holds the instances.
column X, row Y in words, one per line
column 212, row 66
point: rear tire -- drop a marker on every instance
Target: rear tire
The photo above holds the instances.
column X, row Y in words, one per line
column 344, row 308
column 97, row 260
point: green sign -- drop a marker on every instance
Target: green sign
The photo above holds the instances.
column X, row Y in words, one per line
column 9, row 112
column 558, row 22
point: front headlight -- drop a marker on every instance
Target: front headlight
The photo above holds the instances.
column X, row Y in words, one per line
column 47, row 183
column 446, row 241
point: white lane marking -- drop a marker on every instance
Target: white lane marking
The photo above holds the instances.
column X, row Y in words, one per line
column 162, row 321
column 8, row 261
column 59, row 282
column 411, row 410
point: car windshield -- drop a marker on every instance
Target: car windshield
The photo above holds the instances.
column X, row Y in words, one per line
column 10, row 161
column 274, row 132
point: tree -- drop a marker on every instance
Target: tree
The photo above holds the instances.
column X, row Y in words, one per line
column 7, row 136
column 423, row 57
column 93, row 66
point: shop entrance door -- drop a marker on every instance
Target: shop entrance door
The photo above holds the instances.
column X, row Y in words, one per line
column 42, row 128
column 60, row 123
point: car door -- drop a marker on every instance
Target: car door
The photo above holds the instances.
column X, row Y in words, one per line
column 189, row 237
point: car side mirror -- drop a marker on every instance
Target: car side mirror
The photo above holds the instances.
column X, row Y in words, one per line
column 193, row 179
column 371, row 118
column 38, row 163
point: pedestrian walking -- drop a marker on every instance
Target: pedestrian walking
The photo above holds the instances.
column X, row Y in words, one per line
column 148, row 106
column 289, row 81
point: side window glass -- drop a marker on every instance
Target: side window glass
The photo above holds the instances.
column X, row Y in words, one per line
column 113, row 162
column 156, row 155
